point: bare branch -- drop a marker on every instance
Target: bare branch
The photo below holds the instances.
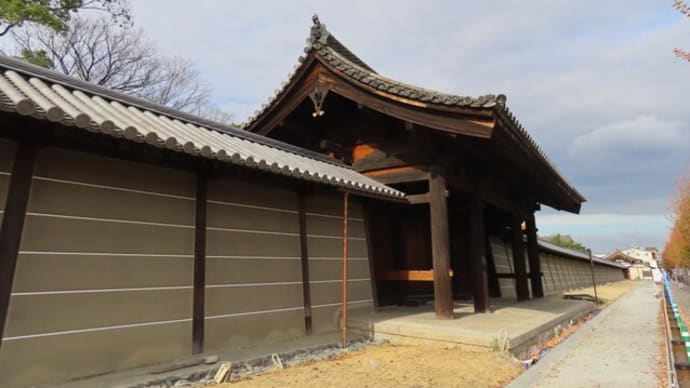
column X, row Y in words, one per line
column 7, row 29
column 122, row 59
column 682, row 54
column 682, row 7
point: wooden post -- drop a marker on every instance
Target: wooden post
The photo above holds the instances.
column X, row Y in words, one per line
column 306, row 289
column 440, row 246
column 13, row 224
column 370, row 253
column 533, row 257
column 521, row 287
column 199, row 264
column 478, row 255
column 594, row 281
column 343, row 339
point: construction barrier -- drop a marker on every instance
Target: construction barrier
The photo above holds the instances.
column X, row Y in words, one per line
column 680, row 337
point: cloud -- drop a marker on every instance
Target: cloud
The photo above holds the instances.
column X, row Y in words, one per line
column 598, row 89
column 641, row 136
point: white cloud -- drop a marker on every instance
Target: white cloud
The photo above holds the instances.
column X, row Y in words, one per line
column 599, row 89
column 602, row 219
column 638, row 135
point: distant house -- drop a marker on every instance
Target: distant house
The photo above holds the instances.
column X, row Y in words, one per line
column 640, row 266
column 647, row 255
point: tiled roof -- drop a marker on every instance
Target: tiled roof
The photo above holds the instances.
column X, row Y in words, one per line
column 46, row 95
column 322, row 43
column 329, row 48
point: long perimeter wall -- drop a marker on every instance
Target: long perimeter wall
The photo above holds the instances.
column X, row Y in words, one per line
column 105, row 274
column 560, row 272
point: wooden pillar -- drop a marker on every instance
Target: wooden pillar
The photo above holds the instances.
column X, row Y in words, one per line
column 306, row 289
column 521, row 287
column 440, row 246
column 346, row 200
column 368, row 219
column 480, row 283
column 533, row 258
column 13, row 224
column 199, row 264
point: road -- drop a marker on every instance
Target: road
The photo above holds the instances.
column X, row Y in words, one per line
column 620, row 347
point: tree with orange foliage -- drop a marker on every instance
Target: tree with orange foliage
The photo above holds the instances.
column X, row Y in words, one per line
column 684, row 9
column 677, row 249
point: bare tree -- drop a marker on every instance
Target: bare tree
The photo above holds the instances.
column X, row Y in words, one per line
column 684, row 9
column 119, row 58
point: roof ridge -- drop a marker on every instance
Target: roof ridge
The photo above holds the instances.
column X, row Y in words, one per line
column 92, row 88
column 319, row 35
column 322, row 42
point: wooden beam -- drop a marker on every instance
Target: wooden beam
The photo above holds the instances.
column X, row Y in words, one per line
column 440, row 246
column 13, row 224
column 399, row 175
column 199, row 264
column 480, row 283
column 521, row 287
column 416, row 199
column 533, row 258
column 412, row 111
column 410, row 275
column 304, row 258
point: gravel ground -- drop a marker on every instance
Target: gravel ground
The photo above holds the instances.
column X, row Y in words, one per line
column 620, row 347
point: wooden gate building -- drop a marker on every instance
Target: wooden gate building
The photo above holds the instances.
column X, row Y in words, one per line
column 133, row 234
column 469, row 168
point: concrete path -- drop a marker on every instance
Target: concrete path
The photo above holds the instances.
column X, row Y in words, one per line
column 522, row 324
column 618, row 348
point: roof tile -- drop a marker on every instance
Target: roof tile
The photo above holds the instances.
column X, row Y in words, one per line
column 32, row 91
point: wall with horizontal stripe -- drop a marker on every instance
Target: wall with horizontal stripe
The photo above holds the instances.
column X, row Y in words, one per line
column 324, row 218
column 253, row 270
column 104, row 275
column 503, row 260
column 560, row 273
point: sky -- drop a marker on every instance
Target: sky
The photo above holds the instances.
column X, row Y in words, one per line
column 595, row 83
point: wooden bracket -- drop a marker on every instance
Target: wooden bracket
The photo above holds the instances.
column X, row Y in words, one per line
column 317, row 96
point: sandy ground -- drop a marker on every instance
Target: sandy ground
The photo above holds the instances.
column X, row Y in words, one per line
column 395, row 366
column 608, row 292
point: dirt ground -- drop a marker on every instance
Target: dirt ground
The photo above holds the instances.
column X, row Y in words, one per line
column 395, row 366
column 608, row 292
column 410, row 366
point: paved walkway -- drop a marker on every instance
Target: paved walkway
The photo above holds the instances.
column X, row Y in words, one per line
column 520, row 324
column 618, row 348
